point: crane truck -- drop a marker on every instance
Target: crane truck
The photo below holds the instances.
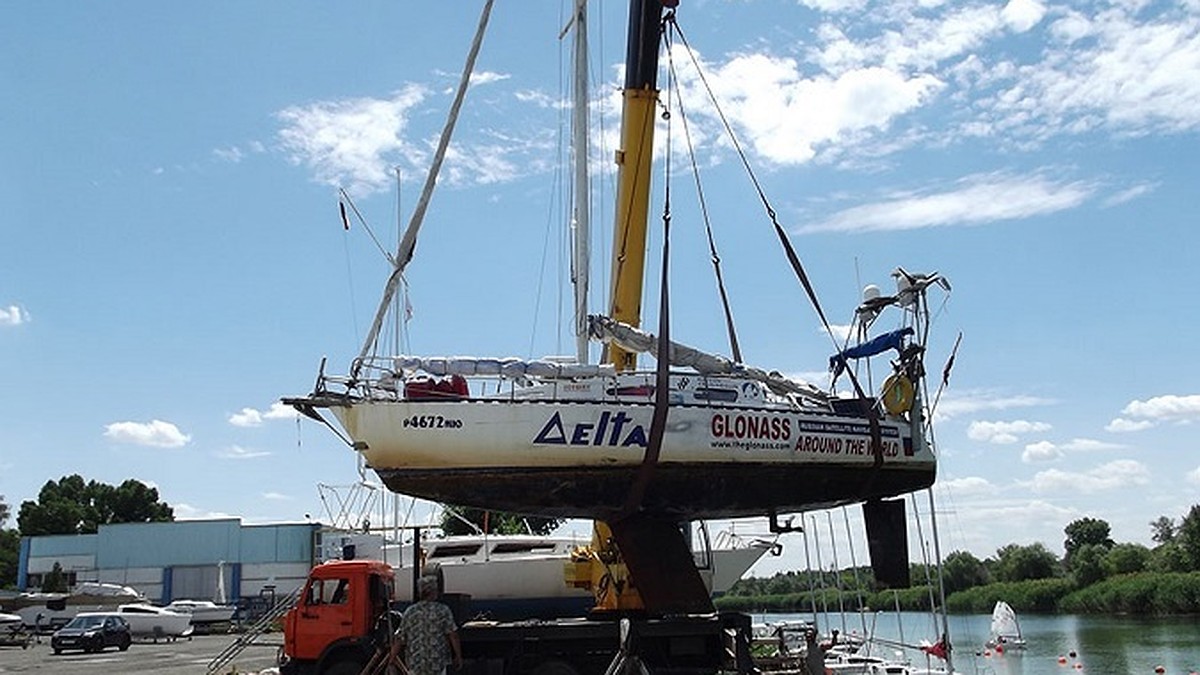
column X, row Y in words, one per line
column 345, row 614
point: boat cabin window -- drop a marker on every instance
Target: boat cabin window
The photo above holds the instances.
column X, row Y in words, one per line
column 136, row 610
column 454, row 550
column 713, row 394
column 522, row 547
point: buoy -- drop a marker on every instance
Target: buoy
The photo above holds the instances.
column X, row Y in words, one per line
column 999, row 649
column 987, row 652
column 1071, row 653
column 1078, row 666
column 1062, row 660
column 897, row 394
column 1159, row 669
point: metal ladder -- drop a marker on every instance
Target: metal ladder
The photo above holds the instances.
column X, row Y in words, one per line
column 247, row 638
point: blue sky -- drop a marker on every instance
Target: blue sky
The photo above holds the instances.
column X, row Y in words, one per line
column 174, row 262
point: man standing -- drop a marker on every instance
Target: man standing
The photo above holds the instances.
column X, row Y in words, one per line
column 428, row 634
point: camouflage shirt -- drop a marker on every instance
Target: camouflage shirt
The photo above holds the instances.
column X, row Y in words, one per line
column 424, row 629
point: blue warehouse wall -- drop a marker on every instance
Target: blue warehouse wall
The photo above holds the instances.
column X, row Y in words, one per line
column 278, row 543
column 188, row 542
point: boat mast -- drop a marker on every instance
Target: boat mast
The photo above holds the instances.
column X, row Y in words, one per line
column 408, row 243
column 580, row 269
column 633, row 170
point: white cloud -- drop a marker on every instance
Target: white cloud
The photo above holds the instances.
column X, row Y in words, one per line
column 185, row 511
column 13, row 315
column 1110, row 476
column 231, row 154
column 1042, row 451
column 1120, row 70
column 978, row 199
column 156, row 433
column 1138, row 415
column 351, row 142
column 1022, row 15
column 276, row 496
column 967, row 486
column 481, row 77
column 1046, row 451
column 250, row 417
column 1004, row 432
column 1129, row 194
column 238, row 452
column 1122, row 425
column 841, row 331
column 959, row 403
column 770, row 101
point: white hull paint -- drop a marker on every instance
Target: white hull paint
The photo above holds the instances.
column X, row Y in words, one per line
column 576, row 459
column 150, row 621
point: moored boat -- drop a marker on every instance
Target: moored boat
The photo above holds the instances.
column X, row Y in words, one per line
column 202, row 611
column 47, row 611
column 523, row 575
column 146, row 620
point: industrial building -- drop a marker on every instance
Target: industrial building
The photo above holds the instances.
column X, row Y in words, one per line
column 221, row 560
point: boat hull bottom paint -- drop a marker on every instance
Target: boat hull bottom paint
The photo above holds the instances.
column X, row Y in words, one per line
column 685, row 493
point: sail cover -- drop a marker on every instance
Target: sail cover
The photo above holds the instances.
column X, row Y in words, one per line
column 878, row 345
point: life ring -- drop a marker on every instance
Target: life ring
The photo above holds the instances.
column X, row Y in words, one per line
column 897, row 394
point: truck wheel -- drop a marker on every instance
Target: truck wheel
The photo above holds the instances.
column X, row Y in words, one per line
column 554, row 667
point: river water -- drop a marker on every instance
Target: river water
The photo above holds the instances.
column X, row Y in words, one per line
column 1096, row 645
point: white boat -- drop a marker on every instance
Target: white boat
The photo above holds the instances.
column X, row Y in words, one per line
column 568, row 439
column 699, row 436
column 1005, row 632
column 522, row 575
column 146, row 620
column 203, row 611
column 46, row 611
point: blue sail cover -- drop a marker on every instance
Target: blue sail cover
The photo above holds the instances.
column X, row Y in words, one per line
column 877, row 345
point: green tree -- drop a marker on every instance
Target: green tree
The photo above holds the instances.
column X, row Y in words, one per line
column 1019, row 563
column 3, row 511
column 1188, row 537
column 961, row 570
column 71, row 506
column 1126, row 559
column 1169, row 557
column 10, row 547
column 1163, row 529
column 1085, row 532
column 468, row 520
column 1087, row 564
column 55, row 581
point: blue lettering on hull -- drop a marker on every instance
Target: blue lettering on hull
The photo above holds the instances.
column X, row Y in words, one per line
column 610, row 429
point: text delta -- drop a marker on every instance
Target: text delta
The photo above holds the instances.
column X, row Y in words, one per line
column 611, row 429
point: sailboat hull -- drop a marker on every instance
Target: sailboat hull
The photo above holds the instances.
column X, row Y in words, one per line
column 579, row 459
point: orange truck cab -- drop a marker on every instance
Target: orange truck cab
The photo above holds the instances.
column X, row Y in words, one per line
column 337, row 619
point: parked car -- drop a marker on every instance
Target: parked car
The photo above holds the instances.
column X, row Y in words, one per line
column 92, row 632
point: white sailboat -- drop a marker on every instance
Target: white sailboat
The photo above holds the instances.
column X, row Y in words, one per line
column 1005, row 632
column 568, row 439
column 699, row 436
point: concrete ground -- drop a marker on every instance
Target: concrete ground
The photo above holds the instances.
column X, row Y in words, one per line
column 180, row 657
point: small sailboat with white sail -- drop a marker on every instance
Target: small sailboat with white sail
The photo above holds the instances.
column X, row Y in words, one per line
column 1005, row 631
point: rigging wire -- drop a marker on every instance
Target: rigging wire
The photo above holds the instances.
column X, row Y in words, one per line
column 366, row 226
column 792, row 257
column 731, row 330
